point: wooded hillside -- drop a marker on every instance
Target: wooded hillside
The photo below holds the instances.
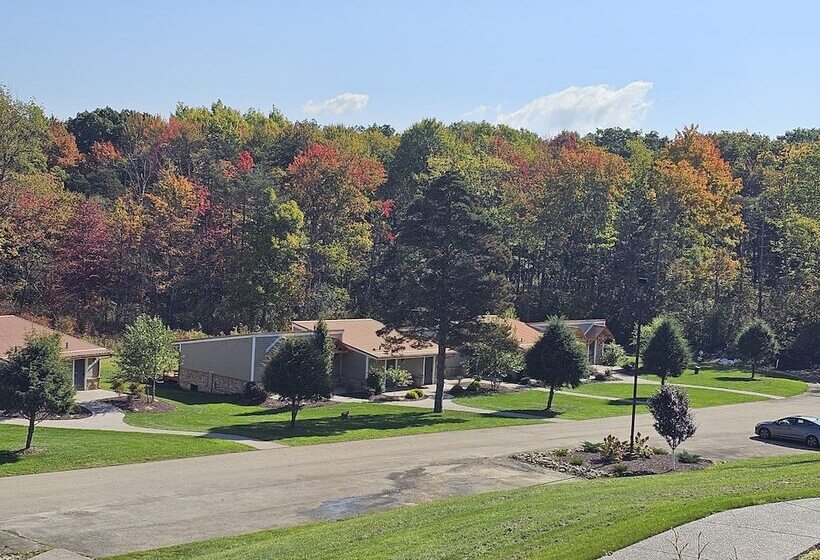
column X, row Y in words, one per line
column 216, row 220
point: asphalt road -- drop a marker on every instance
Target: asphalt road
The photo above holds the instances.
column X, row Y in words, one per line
column 132, row 507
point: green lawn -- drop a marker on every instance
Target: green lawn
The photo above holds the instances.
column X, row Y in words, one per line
column 733, row 378
column 108, row 367
column 62, row 449
column 207, row 413
column 568, row 407
column 699, row 398
column 575, row 521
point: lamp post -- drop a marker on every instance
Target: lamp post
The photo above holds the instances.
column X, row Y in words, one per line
column 641, row 282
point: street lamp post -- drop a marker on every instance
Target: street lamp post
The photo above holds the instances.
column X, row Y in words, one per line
column 641, row 282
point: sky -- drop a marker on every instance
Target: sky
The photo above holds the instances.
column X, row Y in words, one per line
column 544, row 66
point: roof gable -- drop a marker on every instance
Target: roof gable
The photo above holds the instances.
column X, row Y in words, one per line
column 362, row 335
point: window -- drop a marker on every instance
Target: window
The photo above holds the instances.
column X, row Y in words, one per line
column 391, row 364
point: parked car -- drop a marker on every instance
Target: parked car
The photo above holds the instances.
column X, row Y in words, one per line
column 805, row 429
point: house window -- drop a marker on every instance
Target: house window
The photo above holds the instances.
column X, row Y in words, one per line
column 391, row 364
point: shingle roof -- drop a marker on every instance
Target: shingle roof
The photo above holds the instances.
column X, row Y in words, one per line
column 362, row 335
column 14, row 330
column 588, row 329
column 524, row 334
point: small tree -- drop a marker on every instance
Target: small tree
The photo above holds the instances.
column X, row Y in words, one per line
column 558, row 358
column 673, row 421
column 299, row 369
column 757, row 344
column 667, row 352
column 35, row 382
column 147, row 352
column 495, row 354
column 613, row 354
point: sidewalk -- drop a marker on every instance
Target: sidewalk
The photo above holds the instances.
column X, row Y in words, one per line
column 767, row 532
column 110, row 418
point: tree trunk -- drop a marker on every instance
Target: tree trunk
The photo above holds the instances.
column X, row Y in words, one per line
column 754, row 368
column 438, row 404
column 294, row 410
column 663, row 380
column 549, row 399
column 29, row 432
column 153, row 388
column 674, row 464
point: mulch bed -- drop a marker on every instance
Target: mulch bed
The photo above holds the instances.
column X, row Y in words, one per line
column 806, row 552
column 128, row 404
column 595, row 466
column 81, row 413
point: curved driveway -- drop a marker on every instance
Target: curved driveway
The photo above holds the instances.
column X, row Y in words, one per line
column 117, row 509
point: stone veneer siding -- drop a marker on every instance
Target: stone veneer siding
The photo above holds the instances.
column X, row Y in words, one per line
column 210, row 382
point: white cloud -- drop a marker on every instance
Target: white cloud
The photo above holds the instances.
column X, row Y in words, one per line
column 583, row 109
column 342, row 103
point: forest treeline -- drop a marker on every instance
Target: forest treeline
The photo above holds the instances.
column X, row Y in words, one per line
column 218, row 220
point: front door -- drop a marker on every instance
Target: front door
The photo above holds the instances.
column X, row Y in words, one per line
column 79, row 374
column 428, row 370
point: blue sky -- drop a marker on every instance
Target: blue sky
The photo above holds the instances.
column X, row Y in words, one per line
column 540, row 65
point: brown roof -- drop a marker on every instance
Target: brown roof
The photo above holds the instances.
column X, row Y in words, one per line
column 15, row 330
column 587, row 329
column 362, row 335
column 525, row 335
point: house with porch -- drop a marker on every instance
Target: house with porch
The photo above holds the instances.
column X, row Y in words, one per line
column 83, row 356
column 226, row 364
column 593, row 333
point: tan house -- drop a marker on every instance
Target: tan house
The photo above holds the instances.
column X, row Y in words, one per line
column 226, row 364
column 592, row 332
column 84, row 356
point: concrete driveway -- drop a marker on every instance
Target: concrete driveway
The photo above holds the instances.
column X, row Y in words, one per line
column 131, row 507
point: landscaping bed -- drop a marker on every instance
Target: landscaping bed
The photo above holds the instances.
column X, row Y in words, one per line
column 129, row 404
column 811, row 554
column 592, row 464
column 77, row 412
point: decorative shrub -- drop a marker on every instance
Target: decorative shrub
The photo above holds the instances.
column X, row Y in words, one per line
column 524, row 381
column 642, row 448
column 613, row 354
column 457, row 390
column 414, row 394
column 397, row 378
column 620, row 469
column 560, row 452
column 474, row 386
column 688, row 458
column 255, row 393
column 376, row 380
column 136, row 390
column 612, row 449
column 590, row 447
column 576, row 460
column 118, row 385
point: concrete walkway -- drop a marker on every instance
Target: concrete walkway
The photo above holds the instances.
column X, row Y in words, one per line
column 767, row 532
column 110, row 418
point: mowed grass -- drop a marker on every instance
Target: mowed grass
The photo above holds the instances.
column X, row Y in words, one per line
column 60, row 449
column 739, row 379
column 698, row 398
column 568, row 407
column 207, row 413
column 108, row 369
column 571, row 407
column 573, row 521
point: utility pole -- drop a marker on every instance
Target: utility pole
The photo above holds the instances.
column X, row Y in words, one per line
column 641, row 282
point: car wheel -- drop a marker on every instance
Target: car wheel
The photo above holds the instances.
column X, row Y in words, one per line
column 764, row 433
column 811, row 441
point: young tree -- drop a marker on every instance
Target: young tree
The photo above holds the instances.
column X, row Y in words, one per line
column 299, row 369
column 673, row 421
column 494, row 353
column 757, row 344
column 667, row 352
column 445, row 269
column 557, row 359
column 146, row 353
column 35, row 382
